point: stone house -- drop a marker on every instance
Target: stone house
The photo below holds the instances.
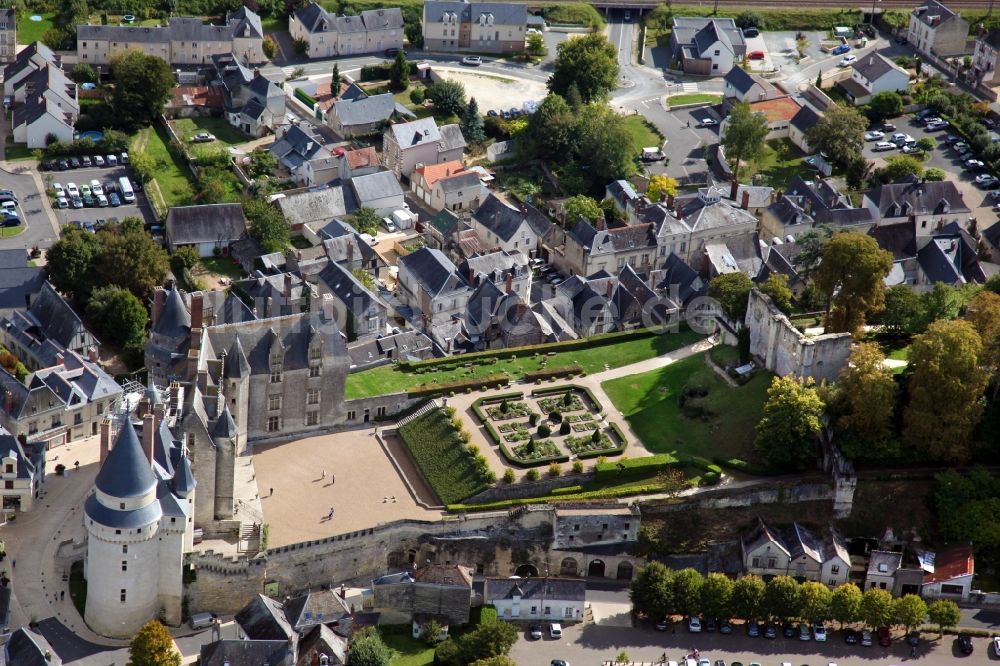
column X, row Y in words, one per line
column 439, row 591
column 358, row 114
column 448, row 186
column 208, row 228
column 950, row 574
column 328, row 35
column 30, row 59
column 253, row 104
column 497, row 316
column 873, row 74
column 707, row 46
column 183, row 41
column 21, row 472
column 984, row 58
column 314, row 207
column 551, row 599
column 48, row 104
column 481, row 27
column 796, row 552
column 508, row 271
column 743, row 86
column 8, row 35
column 302, row 150
column 935, row 29
column 431, row 286
column 508, row 227
column 380, row 191
column 47, row 328
column 359, row 312
column 808, row 203
column 405, row 146
column 951, row 256
column 927, row 205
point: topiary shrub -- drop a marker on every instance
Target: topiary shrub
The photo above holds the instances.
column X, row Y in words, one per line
column 555, row 416
column 578, row 467
column 564, row 429
column 509, row 476
column 567, row 399
column 532, row 474
column 504, row 406
column 555, row 469
column 533, row 418
column 473, row 450
column 596, row 437
column 544, row 430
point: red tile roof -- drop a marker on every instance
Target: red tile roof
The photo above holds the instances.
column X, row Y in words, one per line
column 952, row 563
column 432, row 173
column 362, row 157
column 779, row 108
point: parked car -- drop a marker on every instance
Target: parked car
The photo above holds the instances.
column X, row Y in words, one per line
column 391, row 52
column 85, row 190
column 725, row 627
column 203, row 137
column 112, row 160
column 848, row 60
column 62, row 202
column 987, row 181
column 951, row 139
column 841, row 50
column 62, row 165
column 114, row 200
column 850, row 637
column 123, row 158
column 819, row 632
column 535, row 631
column 751, row 32
column 85, row 161
column 788, row 630
column 866, row 638
column 58, row 189
column 474, row 61
column 95, row 187
column 888, row 127
column 102, row 201
column 959, row 146
column 937, row 125
column 74, row 163
column 874, row 135
column 996, row 646
column 755, row 55
column 965, row 644
column 974, row 165
column 709, row 122
column 883, row 146
column 804, row 634
column 72, row 190
column 884, row 637
column 76, row 202
column 694, row 624
column 555, row 630
column 709, row 625
column 753, row 631
column 770, row 631
column 912, row 149
column 98, row 160
column 662, row 625
column 491, row 112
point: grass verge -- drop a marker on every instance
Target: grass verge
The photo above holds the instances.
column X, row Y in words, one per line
column 642, row 131
column 719, row 423
column 409, row 651
column 223, row 266
column 693, row 98
column 614, row 353
column 173, row 176
column 441, row 457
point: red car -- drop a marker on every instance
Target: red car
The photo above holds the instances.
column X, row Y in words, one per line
column 884, row 637
column 755, row 55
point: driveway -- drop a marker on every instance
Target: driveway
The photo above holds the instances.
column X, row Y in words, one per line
column 27, row 186
column 687, row 142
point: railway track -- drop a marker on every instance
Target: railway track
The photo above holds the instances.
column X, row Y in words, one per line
column 882, row 5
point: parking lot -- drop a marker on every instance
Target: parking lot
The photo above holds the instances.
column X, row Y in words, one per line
column 38, row 228
column 80, row 177
column 687, row 144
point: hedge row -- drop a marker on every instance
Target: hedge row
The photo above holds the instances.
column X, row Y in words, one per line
column 305, row 98
column 548, row 390
column 517, row 462
column 477, row 409
column 477, row 384
column 529, row 350
column 605, row 493
column 607, row 471
column 553, row 373
column 382, row 71
column 738, row 465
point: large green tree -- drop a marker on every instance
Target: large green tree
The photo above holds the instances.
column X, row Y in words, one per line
column 851, row 275
column 687, row 585
column 866, row 394
column 776, row 286
column 845, row 604
column 877, row 608
column 815, row 600
column 886, row 104
column 368, row 649
column 266, row 225
column 839, row 133
column 552, row 128
column 130, row 258
column 118, row 316
column 581, row 205
column 944, row 613
column 651, row 591
column 902, row 310
column 732, row 291
column 898, row 167
column 910, row 610
column 142, row 85
column 153, row 646
column 717, row 596
column 448, row 97
column 945, row 390
column 786, row 434
column 744, row 134
column 71, row 261
column 472, row 123
column 491, row 639
column 747, row 599
column 399, row 72
column 605, row 145
column 781, row 598
column 590, row 63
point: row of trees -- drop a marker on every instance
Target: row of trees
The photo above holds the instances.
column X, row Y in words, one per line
column 658, row 592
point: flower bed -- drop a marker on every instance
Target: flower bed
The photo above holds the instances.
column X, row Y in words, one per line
column 576, row 418
column 558, row 404
column 581, row 427
column 513, row 411
column 532, row 451
column 586, row 444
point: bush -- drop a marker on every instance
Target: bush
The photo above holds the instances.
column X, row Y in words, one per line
column 633, row 467
column 305, row 98
column 532, row 474
column 533, row 418
column 545, row 431
column 417, row 96
column 565, row 428
column 509, row 476
column 554, row 373
column 554, row 469
column 480, row 383
column 555, row 416
column 934, row 173
column 382, row 71
column 578, row 467
column 710, row 478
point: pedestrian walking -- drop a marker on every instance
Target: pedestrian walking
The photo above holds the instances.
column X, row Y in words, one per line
column 333, row 479
column 62, row 595
column 13, row 564
column 272, row 493
column 324, row 473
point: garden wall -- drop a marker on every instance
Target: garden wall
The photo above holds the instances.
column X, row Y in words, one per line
column 524, row 489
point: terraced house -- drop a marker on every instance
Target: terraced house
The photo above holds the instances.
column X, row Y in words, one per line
column 326, row 34
column 183, row 41
column 487, row 27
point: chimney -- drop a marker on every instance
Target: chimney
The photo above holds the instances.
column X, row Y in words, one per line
column 611, row 287
column 510, row 283
column 663, row 196
column 159, row 299
column 733, row 189
column 472, row 276
column 148, row 435
column 288, row 286
column 203, row 381
column 779, row 196
column 92, row 354
column 670, row 201
column 196, row 310
column 678, row 210
column 326, row 307
column 105, row 439
column 60, row 359
column 602, row 224
column 745, row 203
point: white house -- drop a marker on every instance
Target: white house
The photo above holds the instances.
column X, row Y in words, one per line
column 553, row 599
column 449, row 186
column 207, row 227
column 379, row 190
column 984, row 58
column 405, row 145
column 936, row 29
column 796, row 552
column 873, row 74
column 707, row 46
column 21, row 475
column 949, row 572
column 743, row 86
column 501, row 225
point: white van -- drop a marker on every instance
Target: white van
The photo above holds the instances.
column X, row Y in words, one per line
column 126, row 188
column 201, row 620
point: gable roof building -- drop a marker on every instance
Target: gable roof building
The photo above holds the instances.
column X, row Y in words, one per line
column 490, row 27
column 26, row 648
column 45, row 330
column 707, row 46
column 936, row 29
column 743, row 86
column 356, row 113
column 315, row 208
column 31, row 58
column 508, row 227
column 328, row 35
column 558, row 599
column 405, row 145
column 206, row 227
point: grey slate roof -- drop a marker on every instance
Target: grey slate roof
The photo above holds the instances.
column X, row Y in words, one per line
column 365, row 110
column 319, row 607
column 315, row 18
column 19, row 283
column 27, row 55
column 459, row 182
column 294, row 332
column 236, row 652
column 899, row 239
column 805, row 118
column 874, row 65
column 505, row 220
column 883, row 562
column 433, row 271
column 416, row 132
column 208, row 223
column 263, row 619
column 451, row 137
column 562, row 589
column 679, row 280
column 57, row 318
column 225, row 426
column 929, row 9
column 175, row 320
column 992, row 38
column 912, row 197
column 742, row 80
column 26, row 648
column 504, row 13
column 314, row 206
column 236, row 360
column 388, row 18
column 373, row 186
column 126, row 472
column 342, row 283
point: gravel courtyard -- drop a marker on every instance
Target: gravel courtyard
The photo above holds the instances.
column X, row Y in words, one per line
column 493, row 91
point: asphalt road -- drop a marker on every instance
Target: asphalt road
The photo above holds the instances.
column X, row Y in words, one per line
column 39, row 229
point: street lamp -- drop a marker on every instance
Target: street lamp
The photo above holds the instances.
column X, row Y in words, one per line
column 872, row 21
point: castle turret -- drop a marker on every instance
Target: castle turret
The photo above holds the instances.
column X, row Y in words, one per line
column 169, row 337
column 183, row 485
column 225, row 436
column 237, row 383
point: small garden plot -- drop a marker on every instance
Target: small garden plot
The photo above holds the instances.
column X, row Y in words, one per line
column 587, row 444
column 567, row 402
column 575, row 418
column 535, row 450
column 449, row 467
column 586, row 425
column 508, row 410
column 515, row 432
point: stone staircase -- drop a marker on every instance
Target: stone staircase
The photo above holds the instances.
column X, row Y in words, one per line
column 431, row 404
column 249, row 541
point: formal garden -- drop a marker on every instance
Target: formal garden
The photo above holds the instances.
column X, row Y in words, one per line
column 550, row 425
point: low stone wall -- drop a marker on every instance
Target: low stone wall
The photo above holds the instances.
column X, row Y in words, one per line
column 521, row 490
column 810, row 489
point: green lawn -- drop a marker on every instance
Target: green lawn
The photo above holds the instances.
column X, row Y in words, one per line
column 29, row 31
column 409, row 651
column 725, row 426
column 172, row 175
column 222, row 266
column 16, row 152
column 441, row 456
column 223, row 131
column 779, row 164
column 723, row 355
column 643, row 134
column 274, row 24
column 693, row 98
column 388, row 379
